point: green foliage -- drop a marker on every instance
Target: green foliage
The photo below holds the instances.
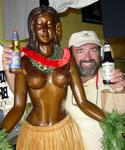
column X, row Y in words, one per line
column 4, row 143
column 113, row 126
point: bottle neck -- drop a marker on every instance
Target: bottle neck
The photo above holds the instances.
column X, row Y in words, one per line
column 107, row 53
column 108, row 57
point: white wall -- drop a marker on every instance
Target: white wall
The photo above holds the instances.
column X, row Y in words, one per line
column 15, row 14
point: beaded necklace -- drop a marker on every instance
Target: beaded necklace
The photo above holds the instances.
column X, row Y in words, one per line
column 46, row 65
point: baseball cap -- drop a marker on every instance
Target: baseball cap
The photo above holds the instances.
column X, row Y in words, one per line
column 84, row 37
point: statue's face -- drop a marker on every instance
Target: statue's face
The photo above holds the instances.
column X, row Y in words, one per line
column 45, row 28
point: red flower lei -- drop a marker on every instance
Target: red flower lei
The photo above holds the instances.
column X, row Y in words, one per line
column 45, row 61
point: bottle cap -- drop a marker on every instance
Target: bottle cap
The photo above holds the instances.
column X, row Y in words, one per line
column 15, row 35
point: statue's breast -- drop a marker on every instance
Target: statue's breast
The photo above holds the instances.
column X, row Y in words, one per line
column 36, row 81
column 61, row 77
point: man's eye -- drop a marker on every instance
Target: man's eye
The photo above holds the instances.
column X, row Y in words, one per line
column 94, row 50
column 79, row 51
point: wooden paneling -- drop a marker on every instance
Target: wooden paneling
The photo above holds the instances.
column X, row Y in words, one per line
column 118, row 46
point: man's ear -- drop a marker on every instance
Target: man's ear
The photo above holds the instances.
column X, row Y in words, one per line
column 59, row 31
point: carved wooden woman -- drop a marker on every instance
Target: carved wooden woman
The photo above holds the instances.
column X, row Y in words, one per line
column 47, row 71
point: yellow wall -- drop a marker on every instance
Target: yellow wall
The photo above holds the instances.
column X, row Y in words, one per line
column 72, row 22
column 1, row 20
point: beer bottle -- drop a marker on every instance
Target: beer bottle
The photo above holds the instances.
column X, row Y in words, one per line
column 108, row 64
column 15, row 67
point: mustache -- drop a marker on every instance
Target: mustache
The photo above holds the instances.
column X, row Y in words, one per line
column 87, row 61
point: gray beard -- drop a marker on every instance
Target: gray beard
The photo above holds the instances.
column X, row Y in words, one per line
column 84, row 72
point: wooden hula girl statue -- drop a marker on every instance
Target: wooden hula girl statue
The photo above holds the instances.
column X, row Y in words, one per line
column 47, row 71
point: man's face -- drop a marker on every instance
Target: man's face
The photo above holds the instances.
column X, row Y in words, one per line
column 87, row 58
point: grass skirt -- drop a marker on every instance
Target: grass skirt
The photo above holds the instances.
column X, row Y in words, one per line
column 64, row 135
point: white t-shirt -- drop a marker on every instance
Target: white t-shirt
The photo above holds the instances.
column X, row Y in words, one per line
column 90, row 128
column 6, row 96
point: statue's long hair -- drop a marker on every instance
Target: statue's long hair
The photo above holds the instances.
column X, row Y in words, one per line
column 32, row 42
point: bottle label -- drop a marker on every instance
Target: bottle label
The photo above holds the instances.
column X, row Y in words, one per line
column 15, row 64
column 107, row 69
